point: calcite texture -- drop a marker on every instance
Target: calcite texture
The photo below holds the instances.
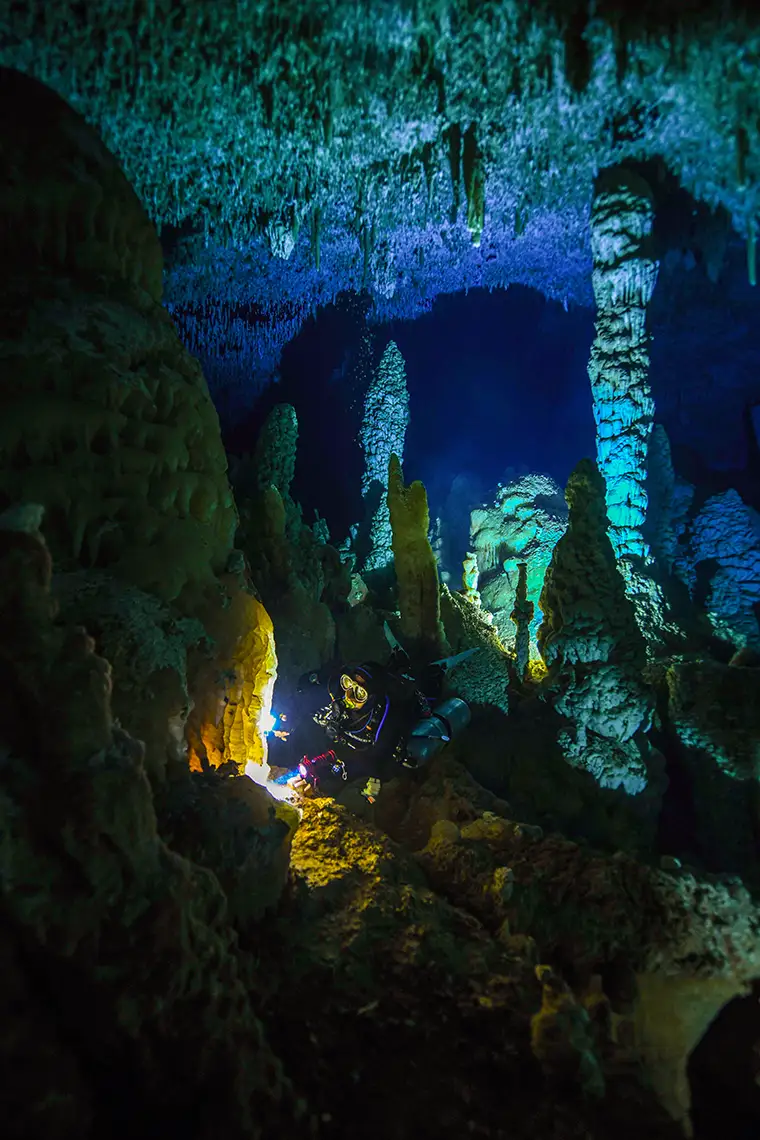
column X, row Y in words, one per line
column 482, row 679
column 624, row 276
column 415, row 564
column 671, row 948
column 382, row 434
column 105, row 419
column 125, row 996
column 367, row 148
column 404, row 983
column 712, row 719
column 525, row 523
column 376, row 964
column 298, row 577
column 592, row 645
column 718, row 558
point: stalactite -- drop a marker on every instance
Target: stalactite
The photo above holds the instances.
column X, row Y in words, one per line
column 454, row 139
column 752, row 252
column 474, row 183
column 316, row 236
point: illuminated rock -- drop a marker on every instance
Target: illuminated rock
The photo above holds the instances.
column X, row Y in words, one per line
column 136, row 941
column 386, row 415
column 105, row 419
column 624, row 277
column 525, row 523
column 483, row 678
column 673, row 948
column 414, row 563
column 719, row 560
column 592, row 645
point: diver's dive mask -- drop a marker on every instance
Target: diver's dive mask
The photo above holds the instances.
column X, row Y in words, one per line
column 354, row 694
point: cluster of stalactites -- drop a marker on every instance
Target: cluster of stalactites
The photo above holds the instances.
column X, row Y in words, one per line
column 624, row 276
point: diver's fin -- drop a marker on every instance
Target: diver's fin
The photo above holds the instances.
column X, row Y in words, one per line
column 456, row 659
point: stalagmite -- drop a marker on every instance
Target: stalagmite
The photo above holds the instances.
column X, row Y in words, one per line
column 386, row 415
column 522, row 616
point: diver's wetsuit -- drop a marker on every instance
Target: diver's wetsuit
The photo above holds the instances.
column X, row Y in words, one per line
column 371, row 740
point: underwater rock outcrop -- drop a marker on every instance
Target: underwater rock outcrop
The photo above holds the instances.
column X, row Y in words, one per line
column 525, row 523
column 482, row 679
column 624, row 277
column 107, row 422
column 227, row 726
column 668, row 500
column 147, row 646
column 105, row 419
column 382, row 434
column 274, row 459
column 592, row 645
column 712, row 716
column 130, row 999
column 299, row 575
column 408, row 968
column 669, row 949
column 719, row 560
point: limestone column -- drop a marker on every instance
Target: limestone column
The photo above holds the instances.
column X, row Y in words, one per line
column 624, row 276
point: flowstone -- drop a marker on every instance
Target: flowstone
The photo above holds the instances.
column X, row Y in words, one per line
column 105, row 419
column 525, row 523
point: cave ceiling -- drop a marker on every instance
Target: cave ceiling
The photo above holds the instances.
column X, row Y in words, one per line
column 291, row 150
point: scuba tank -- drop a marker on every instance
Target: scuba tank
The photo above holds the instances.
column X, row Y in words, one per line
column 431, row 734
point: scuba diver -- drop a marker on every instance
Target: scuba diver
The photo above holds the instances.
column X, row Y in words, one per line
column 380, row 717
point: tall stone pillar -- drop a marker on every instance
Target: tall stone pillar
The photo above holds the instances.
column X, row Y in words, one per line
column 624, row 277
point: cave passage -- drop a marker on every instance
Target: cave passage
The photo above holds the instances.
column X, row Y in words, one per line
column 497, row 382
column 498, row 388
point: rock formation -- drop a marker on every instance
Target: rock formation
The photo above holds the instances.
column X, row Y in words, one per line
column 482, row 679
column 108, row 422
column 386, row 415
column 719, row 560
column 145, row 992
column 624, row 276
column 525, row 523
column 522, row 615
column 274, row 459
column 373, row 147
column 668, row 502
column 414, row 563
column 712, row 717
column 592, row 645
column 671, row 949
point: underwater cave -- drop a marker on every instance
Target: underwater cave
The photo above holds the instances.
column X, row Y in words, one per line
column 380, row 570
